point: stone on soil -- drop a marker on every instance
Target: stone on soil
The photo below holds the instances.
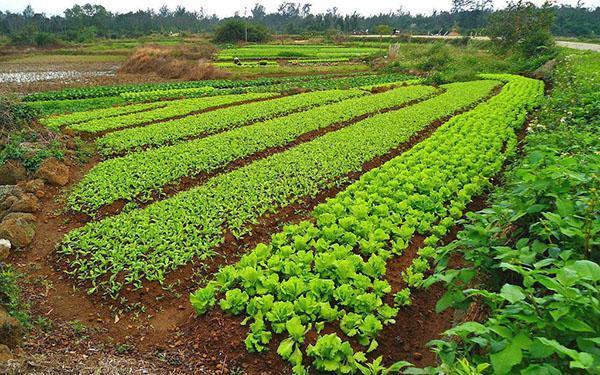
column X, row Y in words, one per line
column 12, row 172
column 18, row 228
column 55, row 172
column 5, row 354
column 4, row 249
column 11, row 331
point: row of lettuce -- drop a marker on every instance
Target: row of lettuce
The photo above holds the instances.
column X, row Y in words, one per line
column 99, row 120
column 91, row 120
column 331, row 269
column 533, row 255
column 145, row 244
column 142, row 173
column 172, row 131
column 83, row 99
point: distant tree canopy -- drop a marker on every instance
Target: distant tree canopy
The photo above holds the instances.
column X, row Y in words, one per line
column 522, row 27
column 237, row 30
column 83, row 22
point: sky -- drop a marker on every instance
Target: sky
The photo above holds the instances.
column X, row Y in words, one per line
column 224, row 8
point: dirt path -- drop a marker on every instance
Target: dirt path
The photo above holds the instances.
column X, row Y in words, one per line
column 562, row 43
column 579, row 45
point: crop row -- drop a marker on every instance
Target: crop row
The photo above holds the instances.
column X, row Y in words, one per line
column 140, row 174
column 331, row 269
column 227, row 118
column 320, row 61
column 320, row 83
column 95, row 114
column 145, row 244
column 115, row 90
column 172, row 109
column 153, row 95
column 341, row 83
column 52, row 107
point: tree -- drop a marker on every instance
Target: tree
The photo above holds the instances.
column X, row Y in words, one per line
column 258, row 12
column 234, row 30
column 383, row 30
column 522, row 27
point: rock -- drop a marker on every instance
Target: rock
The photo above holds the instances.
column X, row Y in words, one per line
column 8, row 202
column 32, row 186
column 5, row 354
column 54, row 172
column 12, row 172
column 11, row 331
column 4, row 249
column 5, row 191
column 27, row 203
column 18, row 228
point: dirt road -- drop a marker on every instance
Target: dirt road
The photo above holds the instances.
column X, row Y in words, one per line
column 561, row 43
column 579, row 45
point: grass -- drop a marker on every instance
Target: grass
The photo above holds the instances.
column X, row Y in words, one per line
column 443, row 62
column 10, row 294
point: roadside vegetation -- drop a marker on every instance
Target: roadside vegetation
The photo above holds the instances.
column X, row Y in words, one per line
column 530, row 255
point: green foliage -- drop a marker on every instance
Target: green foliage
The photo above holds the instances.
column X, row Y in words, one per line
column 171, row 232
column 383, row 29
column 332, row 355
column 236, row 30
column 297, row 52
column 14, row 149
column 227, row 118
column 14, row 116
column 316, row 263
column 536, row 246
column 10, row 295
column 203, row 299
column 107, row 91
column 153, row 95
column 51, row 107
column 140, row 173
column 121, row 117
column 96, row 114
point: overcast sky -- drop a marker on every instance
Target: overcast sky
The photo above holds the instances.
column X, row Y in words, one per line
column 227, row 7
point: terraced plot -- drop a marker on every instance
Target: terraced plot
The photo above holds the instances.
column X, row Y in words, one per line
column 146, row 244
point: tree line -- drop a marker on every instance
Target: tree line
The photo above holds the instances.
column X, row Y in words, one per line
column 86, row 22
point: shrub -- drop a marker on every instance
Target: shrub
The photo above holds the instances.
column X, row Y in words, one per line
column 234, row 30
column 522, row 27
column 436, row 57
column 46, row 40
column 13, row 115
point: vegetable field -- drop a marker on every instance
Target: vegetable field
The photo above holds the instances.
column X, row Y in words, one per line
column 304, row 224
